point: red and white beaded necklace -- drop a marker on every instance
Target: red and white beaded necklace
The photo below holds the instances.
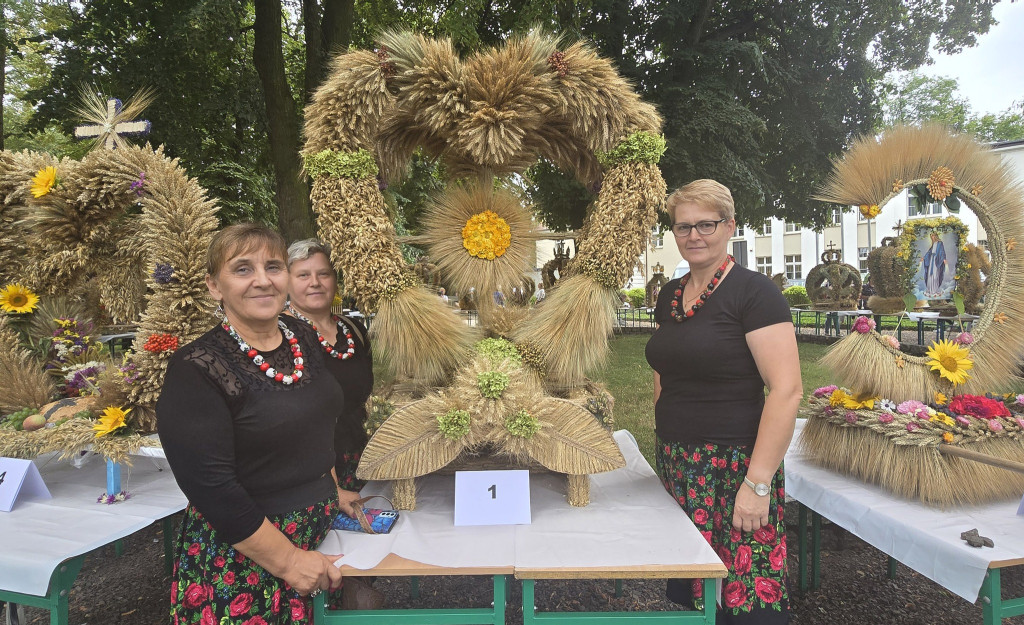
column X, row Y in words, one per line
column 350, row 350
column 677, row 312
column 264, row 366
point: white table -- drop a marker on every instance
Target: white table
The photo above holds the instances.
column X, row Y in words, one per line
column 631, row 529
column 923, row 538
column 43, row 543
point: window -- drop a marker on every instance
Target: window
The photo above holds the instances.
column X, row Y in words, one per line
column 766, row 228
column 791, row 227
column 862, row 256
column 657, row 238
column 764, row 265
column 983, row 244
column 739, row 231
column 837, row 216
column 916, row 210
column 794, row 270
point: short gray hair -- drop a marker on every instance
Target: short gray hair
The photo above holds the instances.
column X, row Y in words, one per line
column 306, row 248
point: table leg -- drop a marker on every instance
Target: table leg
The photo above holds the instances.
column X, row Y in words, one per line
column 801, row 544
column 993, row 606
column 56, row 598
column 892, row 567
column 815, row 550
column 414, row 587
column 618, row 588
column 168, row 527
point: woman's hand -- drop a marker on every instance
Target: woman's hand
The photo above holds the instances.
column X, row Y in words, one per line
column 309, row 571
column 346, row 498
column 750, row 511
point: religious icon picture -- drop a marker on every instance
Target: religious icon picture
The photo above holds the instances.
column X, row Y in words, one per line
column 935, row 276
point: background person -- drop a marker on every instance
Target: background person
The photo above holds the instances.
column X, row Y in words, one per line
column 343, row 342
column 724, row 334
column 247, row 419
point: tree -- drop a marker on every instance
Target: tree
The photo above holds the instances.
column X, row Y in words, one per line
column 914, row 98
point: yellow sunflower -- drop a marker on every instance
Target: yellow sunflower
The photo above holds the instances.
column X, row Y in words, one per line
column 950, row 360
column 857, row 402
column 44, row 180
column 14, row 298
column 112, row 419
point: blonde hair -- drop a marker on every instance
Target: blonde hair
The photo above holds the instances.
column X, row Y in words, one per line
column 706, row 193
column 305, row 249
column 241, row 238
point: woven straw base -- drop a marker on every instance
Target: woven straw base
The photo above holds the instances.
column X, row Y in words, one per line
column 914, row 472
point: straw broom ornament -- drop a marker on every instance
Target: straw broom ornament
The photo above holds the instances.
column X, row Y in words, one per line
column 484, row 117
column 981, row 361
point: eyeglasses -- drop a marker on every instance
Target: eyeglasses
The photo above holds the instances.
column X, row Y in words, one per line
column 682, row 230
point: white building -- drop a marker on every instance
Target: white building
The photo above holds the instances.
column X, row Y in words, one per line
column 781, row 247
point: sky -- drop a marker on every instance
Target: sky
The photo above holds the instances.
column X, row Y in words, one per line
column 991, row 74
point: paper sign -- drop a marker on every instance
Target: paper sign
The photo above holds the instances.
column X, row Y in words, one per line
column 1020, row 508
column 492, row 498
column 20, row 480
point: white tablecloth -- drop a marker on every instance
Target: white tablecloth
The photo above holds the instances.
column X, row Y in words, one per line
column 925, row 539
column 631, row 521
column 36, row 536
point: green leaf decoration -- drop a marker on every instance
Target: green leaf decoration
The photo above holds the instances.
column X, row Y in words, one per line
column 958, row 301
column 953, row 204
column 358, row 164
column 639, row 147
column 909, row 301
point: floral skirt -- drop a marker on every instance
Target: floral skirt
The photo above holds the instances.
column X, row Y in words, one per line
column 704, row 480
column 213, row 584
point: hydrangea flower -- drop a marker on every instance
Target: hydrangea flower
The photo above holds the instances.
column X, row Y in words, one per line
column 864, row 324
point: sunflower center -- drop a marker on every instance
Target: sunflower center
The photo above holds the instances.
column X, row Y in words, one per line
column 949, row 363
column 18, row 300
column 486, row 235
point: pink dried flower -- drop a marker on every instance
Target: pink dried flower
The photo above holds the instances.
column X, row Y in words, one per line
column 995, row 425
column 851, row 417
column 885, row 417
column 827, row 390
column 964, row 421
column 1020, row 400
column 892, row 341
column 913, row 407
column 864, row 324
column 964, row 338
column 912, row 427
column 1020, row 422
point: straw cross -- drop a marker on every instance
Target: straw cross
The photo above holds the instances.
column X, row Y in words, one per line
column 112, row 127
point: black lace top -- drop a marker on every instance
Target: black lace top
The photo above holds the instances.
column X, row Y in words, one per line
column 241, row 445
column 356, row 378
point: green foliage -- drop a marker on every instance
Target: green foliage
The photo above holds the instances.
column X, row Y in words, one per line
column 796, row 296
column 380, row 410
column 636, row 297
column 358, row 164
column 15, row 420
column 560, row 201
column 492, row 383
column 522, row 424
column 497, row 350
column 410, row 197
column 453, row 424
column 639, row 147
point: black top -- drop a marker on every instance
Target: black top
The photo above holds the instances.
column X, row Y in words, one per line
column 711, row 390
column 241, row 445
column 356, row 378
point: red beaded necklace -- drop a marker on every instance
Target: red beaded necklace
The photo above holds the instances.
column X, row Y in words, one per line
column 350, row 349
column 257, row 359
column 677, row 299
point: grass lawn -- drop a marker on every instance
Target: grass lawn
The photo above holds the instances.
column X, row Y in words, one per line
column 630, row 381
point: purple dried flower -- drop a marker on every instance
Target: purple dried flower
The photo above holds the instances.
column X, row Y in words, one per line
column 851, row 417
column 138, row 186
column 885, row 417
column 163, row 274
column 912, row 427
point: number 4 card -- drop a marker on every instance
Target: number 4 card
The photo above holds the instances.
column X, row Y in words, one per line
column 492, row 497
column 20, row 480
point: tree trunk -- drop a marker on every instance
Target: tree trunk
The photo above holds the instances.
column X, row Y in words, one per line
column 337, row 27
column 3, row 66
column 295, row 218
column 328, row 32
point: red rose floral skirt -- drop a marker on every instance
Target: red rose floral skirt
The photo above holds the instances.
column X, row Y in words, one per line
column 704, row 480
column 213, row 584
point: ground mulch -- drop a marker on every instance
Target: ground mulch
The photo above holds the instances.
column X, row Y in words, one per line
column 133, row 589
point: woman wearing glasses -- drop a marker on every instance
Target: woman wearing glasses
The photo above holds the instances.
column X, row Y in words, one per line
column 724, row 335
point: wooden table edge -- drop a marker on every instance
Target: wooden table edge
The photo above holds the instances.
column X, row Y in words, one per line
column 650, row 571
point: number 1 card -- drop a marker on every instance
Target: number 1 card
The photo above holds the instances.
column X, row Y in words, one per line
column 20, row 481
column 492, row 497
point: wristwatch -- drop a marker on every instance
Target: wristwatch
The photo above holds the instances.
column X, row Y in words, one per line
column 760, row 490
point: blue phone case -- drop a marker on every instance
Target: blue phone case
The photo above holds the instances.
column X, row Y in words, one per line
column 380, row 520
